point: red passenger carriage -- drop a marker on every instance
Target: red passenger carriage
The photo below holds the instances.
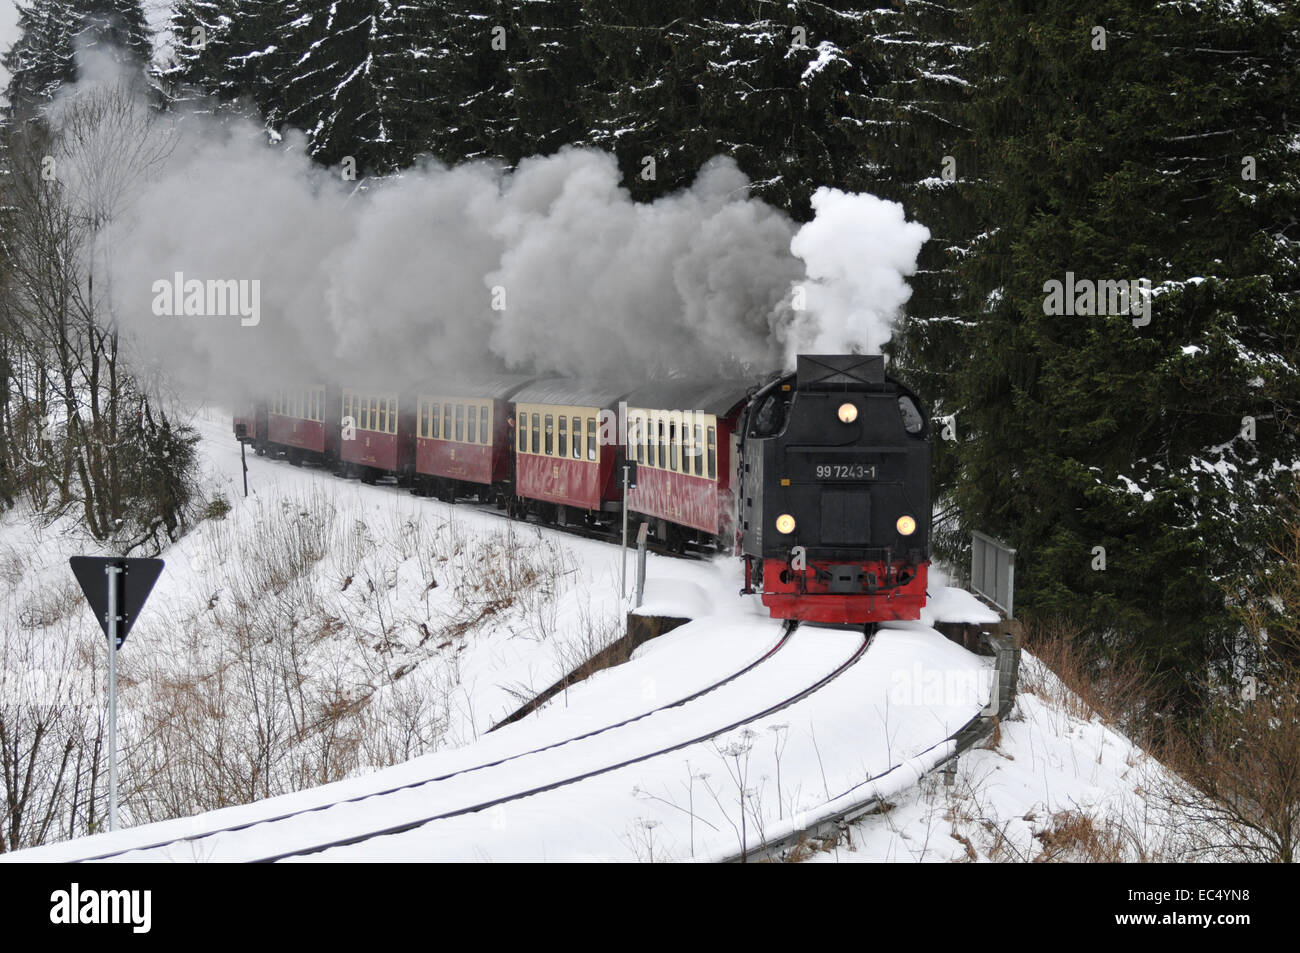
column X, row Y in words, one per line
column 377, row 434
column 303, row 424
column 463, row 438
column 566, row 448
column 681, row 434
column 250, row 425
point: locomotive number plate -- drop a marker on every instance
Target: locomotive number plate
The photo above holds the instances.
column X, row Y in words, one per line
column 845, row 471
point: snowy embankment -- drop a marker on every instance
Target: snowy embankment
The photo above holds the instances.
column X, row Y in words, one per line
column 1054, row 783
column 375, row 636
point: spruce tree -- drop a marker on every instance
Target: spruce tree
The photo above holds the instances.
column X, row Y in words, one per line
column 1117, row 454
column 54, row 32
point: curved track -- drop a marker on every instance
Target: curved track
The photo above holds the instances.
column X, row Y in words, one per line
column 786, row 632
column 604, row 769
column 819, row 662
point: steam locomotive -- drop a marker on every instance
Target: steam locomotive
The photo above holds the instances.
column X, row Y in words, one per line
column 819, row 480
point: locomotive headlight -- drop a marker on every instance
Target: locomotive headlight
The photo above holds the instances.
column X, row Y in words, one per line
column 848, row 413
column 906, row 525
column 785, row 524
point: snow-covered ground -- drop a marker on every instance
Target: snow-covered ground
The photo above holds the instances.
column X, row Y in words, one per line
column 375, row 637
column 1050, row 785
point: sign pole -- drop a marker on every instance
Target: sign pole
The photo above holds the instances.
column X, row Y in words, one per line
column 640, row 563
column 111, row 572
column 622, row 579
column 116, row 588
column 244, row 463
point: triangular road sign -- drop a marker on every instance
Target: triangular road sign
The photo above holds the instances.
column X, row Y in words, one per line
column 135, row 582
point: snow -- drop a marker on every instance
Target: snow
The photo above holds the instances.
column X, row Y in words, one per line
column 675, row 771
column 1051, row 767
column 827, row 53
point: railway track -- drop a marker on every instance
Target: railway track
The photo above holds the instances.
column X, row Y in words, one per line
column 572, row 529
column 870, row 794
column 787, row 632
column 487, row 804
column 304, row 832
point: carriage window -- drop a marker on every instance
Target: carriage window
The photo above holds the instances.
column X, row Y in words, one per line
column 383, row 415
column 646, row 424
column 434, row 420
column 564, row 436
column 484, row 430
column 672, row 446
column 697, row 452
column 537, row 433
column 471, row 431
column 446, row 421
column 663, row 447
column 713, row 454
column 422, row 426
column 591, row 438
column 550, row 435
column 522, row 426
column 577, row 438
column 634, row 439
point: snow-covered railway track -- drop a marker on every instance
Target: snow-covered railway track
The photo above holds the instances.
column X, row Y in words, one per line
column 782, row 641
column 590, row 751
column 484, row 805
column 809, row 662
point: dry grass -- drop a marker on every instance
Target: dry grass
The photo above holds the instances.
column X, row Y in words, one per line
column 1074, row 836
column 1088, row 684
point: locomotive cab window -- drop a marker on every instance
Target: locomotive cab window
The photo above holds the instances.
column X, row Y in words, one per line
column 770, row 419
column 913, row 422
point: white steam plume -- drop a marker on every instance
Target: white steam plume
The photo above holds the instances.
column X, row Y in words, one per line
column 857, row 250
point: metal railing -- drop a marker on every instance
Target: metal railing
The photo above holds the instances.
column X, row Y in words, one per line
column 993, row 571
